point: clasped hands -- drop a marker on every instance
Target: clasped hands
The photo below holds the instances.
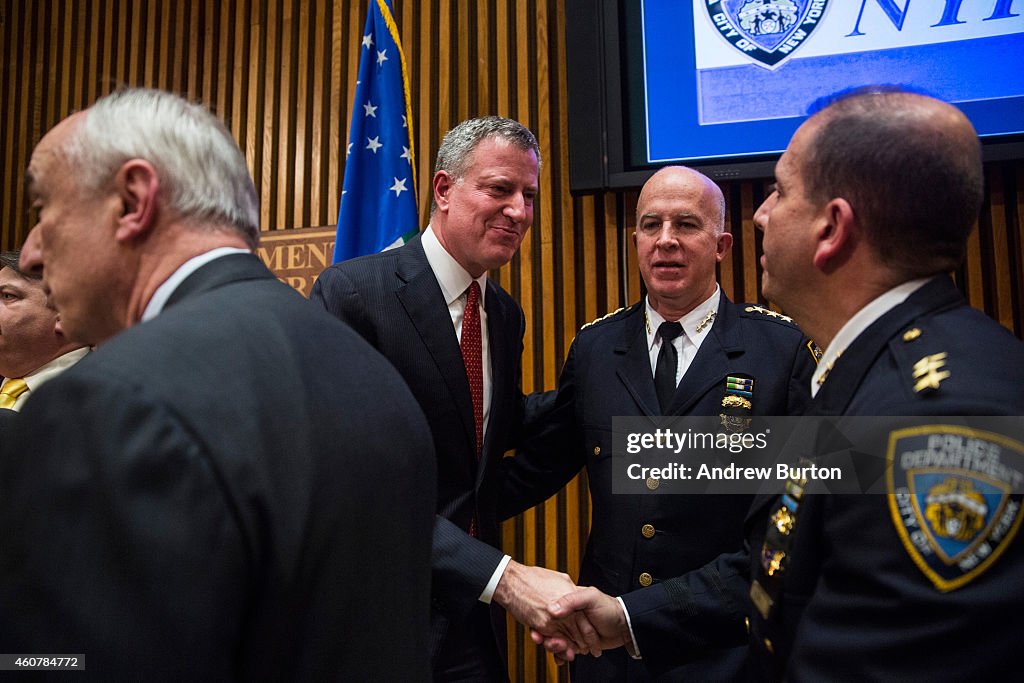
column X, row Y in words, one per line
column 566, row 620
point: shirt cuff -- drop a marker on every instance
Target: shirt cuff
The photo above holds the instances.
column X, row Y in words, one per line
column 634, row 648
column 488, row 593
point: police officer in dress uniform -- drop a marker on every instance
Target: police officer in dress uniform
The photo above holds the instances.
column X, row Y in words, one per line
column 876, row 195
column 728, row 359
column 875, row 198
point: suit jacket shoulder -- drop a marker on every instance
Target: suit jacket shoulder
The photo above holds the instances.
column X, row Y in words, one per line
column 394, row 301
column 208, row 475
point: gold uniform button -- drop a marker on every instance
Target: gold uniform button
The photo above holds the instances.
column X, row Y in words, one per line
column 768, row 646
column 652, row 483
column 646, row 579
column 746, row 622
column 912, row 334
column 597, row 450
column 647, row 530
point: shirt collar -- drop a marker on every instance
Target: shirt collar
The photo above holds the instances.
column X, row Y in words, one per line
column 38, row 376
column 860, row 321
column 165, row 290
column 690, row 322
column 452, row 277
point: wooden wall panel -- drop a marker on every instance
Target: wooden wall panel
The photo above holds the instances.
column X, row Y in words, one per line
column 282, row 74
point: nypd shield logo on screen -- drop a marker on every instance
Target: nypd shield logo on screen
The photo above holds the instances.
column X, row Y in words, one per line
column 768, row 32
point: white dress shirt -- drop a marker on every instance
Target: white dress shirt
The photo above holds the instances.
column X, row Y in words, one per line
column 860, row 321
column 454, row 281
column 46, row 372
column 166, row 289
column 688, row 343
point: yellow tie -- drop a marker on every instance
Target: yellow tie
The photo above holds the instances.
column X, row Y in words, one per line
column 11, row 391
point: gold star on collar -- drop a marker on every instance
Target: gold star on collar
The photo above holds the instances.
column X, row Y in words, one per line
column 706, row 321
column 828, row 369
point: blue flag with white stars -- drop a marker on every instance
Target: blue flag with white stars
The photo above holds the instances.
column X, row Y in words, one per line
column 378, row 198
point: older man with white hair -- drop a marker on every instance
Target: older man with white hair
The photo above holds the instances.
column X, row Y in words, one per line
column 198, row 498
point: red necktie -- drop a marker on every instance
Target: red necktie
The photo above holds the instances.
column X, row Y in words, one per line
column 473, row 359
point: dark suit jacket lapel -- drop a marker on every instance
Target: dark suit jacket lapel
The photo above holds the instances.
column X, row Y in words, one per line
column 711, row 363
column 420, row 295
column 635, row 363
column 501, row 324
column 220, row 271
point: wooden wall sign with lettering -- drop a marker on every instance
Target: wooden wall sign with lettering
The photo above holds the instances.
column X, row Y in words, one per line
column 297, row 256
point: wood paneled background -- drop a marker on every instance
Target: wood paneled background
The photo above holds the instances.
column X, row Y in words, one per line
column 282, row 74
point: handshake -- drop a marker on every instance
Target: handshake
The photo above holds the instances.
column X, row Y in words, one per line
column 566, row 620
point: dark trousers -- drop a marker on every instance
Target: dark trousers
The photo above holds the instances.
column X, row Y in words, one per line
column 470, row 652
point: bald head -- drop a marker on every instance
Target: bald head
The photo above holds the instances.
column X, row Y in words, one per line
column 910, row 166
column 680, row 239
column 679, row 180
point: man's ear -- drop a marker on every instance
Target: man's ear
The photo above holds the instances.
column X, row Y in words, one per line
column 723, row 246
column 442, row 185
column 835, row 235
column 136, row 184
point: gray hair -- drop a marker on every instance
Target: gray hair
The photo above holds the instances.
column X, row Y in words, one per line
column 202, row 171
column 459, row 143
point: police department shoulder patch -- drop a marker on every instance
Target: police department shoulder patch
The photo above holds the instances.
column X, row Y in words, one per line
column 955, row 498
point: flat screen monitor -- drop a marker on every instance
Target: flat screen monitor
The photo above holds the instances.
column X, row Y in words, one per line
column 722, row 85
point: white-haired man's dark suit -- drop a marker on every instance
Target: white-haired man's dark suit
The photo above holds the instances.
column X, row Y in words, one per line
column 233, row 490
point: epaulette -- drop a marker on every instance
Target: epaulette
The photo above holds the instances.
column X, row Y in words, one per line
column 603, row 317
column 768, row 312
column 928, row 371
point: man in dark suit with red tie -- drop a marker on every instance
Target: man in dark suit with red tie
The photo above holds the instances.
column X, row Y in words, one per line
column 456, row 338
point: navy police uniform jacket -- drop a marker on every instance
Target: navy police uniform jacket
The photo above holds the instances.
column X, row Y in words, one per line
column 863, row 592
column 926, row 583
column 638, row 540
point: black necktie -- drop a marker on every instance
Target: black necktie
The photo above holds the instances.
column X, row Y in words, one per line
column 668, row 361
